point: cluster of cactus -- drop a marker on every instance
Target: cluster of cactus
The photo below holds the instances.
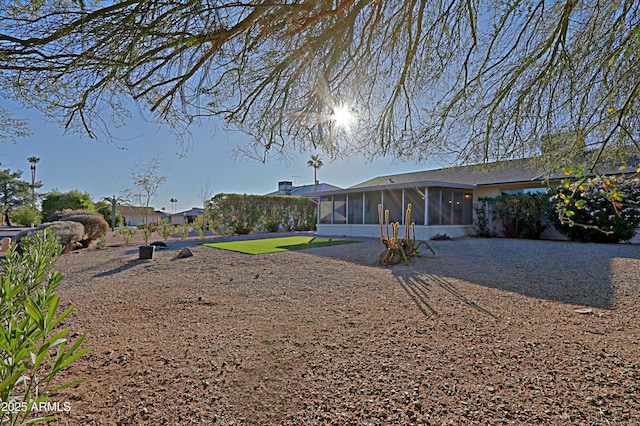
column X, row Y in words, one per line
column 396, row 248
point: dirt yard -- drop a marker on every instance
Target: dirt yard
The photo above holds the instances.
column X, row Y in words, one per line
column 487, row 331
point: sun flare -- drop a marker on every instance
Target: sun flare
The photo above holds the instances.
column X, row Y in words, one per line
column 342, row 117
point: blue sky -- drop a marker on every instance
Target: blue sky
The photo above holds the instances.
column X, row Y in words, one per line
column 103, row 167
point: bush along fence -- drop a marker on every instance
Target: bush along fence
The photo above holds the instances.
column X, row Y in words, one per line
column 602, row 209
column 243, row 214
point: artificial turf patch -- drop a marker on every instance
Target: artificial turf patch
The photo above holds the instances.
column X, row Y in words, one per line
column 273, row 245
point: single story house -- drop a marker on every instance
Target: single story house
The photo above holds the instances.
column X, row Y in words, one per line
column 286, row 188
column 187, row 216
column 134, row 215
column 442, row 200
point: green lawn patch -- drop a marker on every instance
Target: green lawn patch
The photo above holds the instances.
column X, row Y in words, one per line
column 273, row 245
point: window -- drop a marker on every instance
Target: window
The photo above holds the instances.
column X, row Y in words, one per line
column 371, row 201
column 415, row 197
column 434, row 206
column 354, row 208
column 326, row 208
column 339, row 209
column 392, row 201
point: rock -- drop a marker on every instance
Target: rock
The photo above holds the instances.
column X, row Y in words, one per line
column 185, row 252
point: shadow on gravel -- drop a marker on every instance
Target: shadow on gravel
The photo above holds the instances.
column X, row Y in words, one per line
column 418, row 287
column 559, row 271
column 122, row 268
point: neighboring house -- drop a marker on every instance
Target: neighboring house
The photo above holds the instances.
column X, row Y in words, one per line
column 442, row 200
column 133, row 215
column 286, row 188
column 188, row 216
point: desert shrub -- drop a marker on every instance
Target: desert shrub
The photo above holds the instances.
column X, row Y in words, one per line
column 200, row 227
column 518, row 215
column 165, row 230
column 68, row 234
column 522, row 215
column 64, row 213
column 126, row 233
column 601, row 209
column 34, row 346
column 25, row 215
column 94, row 227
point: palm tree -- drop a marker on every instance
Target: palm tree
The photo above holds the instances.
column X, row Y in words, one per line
column 316, row 163
column 33, row 160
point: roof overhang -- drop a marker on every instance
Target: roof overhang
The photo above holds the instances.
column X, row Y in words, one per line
column 430, row 183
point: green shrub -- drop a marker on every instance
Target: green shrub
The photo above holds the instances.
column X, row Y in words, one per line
column 57, row 201
column 25, row 215
column 601, row 209
column 34, row 347
column 520, row 215
column 94, row 227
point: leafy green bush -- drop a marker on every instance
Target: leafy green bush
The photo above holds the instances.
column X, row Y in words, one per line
column 520, row 215
column 34, row 347
column 57, row 201
column 603, row 209
column 25, row 215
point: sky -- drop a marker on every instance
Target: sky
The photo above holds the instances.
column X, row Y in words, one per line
column 103, row 167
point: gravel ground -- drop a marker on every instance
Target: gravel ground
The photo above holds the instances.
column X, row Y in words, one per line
column 487, row 331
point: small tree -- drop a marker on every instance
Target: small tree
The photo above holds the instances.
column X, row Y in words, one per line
column 13, row 192
column 147, row 180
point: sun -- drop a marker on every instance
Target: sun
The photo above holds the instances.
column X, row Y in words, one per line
column 342, row 117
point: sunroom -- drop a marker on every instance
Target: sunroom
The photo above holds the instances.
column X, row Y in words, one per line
column 436, row 208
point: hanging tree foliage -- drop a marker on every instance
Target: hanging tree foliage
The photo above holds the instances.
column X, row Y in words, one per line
column 462, row 79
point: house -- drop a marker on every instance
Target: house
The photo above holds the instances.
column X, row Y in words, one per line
column 187, row 216
column 442, row 200
column 134, row 215
column 285, row 187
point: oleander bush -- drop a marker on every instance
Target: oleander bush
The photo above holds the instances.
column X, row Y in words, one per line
column 34, row 345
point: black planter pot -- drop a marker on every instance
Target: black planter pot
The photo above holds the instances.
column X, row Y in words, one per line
column 146, row 252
